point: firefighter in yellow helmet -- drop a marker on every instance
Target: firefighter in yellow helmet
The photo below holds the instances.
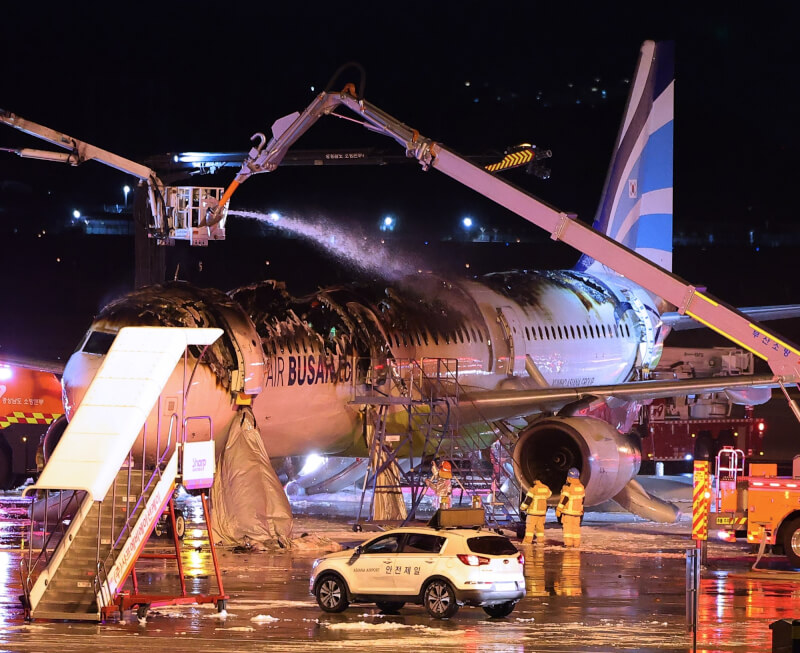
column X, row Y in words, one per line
column 570, row 508
column 441, row 482
column 535, row 506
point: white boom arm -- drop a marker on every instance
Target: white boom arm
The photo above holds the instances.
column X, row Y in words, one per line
column 80, row 152
column 783, row 357
column 167, row 222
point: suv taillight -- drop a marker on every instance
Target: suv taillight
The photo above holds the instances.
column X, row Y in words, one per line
column 473, row 560
column 521, row 559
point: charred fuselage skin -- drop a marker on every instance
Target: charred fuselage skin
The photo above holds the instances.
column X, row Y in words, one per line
column 300, row 360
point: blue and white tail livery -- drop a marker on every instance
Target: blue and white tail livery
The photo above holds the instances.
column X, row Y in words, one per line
column 636, row 206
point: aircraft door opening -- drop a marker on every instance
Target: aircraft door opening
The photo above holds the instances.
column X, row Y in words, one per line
column 516, row 345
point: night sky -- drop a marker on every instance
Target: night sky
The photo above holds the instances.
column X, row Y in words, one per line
column 144, row 78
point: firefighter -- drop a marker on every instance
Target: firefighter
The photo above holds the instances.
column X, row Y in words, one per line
column 570, row 508
column 441, row 482
column 535, row 506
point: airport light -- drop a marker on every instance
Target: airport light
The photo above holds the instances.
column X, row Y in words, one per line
column 388, row 223
column 76, row 214
column 467, row 222
column 126, row 189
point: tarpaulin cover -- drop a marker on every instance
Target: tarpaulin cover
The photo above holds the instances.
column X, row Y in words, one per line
column 249, row 506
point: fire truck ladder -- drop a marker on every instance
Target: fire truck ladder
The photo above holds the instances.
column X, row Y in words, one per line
column 102, row 523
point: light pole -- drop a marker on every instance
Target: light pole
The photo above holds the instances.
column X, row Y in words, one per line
column 467, row 224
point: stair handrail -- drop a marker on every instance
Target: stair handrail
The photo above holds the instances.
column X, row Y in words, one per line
column 33, row 565
column 157, row 470
column 101, row 587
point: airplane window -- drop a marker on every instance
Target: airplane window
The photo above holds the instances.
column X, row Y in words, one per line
column 560, row 335
column 425, row 337
column 475, row 335
column 547, row 332
column 616, row 331
column 541, row 336
column 405, row 341
column 585, row 332
column 628, row 330
column 99, row 342
column 572, row 331
column 527, row 334
column 460, row 334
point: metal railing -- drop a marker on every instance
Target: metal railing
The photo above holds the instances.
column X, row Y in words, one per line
column 428, row 390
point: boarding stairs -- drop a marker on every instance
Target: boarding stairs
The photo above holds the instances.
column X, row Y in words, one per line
column 99, row 507
column 428, row 392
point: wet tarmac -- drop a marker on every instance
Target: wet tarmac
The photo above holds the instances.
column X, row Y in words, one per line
column 624, row 590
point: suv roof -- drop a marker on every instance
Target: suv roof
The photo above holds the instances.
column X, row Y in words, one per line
column 461, row 532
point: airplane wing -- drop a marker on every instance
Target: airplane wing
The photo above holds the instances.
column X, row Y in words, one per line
column 507, row 404
column 680, row 322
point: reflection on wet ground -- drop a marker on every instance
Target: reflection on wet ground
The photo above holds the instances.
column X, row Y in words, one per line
column 623, row 590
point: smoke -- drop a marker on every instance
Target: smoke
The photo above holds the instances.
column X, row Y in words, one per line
column 349, row 244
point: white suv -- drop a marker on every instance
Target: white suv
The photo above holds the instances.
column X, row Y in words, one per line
column 439, row 568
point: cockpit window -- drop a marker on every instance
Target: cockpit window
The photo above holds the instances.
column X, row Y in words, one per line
column 99, row 342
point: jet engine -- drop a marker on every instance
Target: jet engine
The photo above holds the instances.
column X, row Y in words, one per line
column 606, row 458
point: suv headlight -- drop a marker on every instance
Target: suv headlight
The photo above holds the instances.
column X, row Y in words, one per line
column 316, row 563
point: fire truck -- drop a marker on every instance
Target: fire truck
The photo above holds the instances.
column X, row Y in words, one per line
column 761, row 506
column 30, row 405
column 678, row 430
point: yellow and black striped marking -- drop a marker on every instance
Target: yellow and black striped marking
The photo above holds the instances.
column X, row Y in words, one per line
column 27, row 418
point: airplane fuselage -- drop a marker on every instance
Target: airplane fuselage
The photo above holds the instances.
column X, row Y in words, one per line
column 506, row 331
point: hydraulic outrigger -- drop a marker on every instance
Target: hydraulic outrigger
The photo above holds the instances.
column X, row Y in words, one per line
column 782, row 357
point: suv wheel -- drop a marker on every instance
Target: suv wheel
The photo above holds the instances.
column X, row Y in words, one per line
column 440, row 599
column 499, row 609
column 390, row 607
column 331, row 594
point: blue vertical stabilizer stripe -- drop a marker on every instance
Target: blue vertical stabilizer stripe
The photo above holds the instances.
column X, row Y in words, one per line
column 656, row 160
column 654, row 231
column 652, row 171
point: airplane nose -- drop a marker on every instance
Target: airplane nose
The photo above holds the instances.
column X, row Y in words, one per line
column 78, row 374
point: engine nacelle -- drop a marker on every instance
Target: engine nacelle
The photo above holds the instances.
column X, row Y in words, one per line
column 606, row 458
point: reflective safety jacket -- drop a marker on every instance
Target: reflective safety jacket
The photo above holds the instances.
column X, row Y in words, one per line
column 443, row 487
column 572, row 495
column 535, row 502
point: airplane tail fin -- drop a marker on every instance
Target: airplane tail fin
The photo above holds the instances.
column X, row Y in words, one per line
column 636, row 205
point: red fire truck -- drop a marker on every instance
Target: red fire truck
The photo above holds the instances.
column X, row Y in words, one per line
column 678, row 430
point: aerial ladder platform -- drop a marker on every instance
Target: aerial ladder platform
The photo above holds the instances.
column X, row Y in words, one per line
column 782, row 356
column 105, row 504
